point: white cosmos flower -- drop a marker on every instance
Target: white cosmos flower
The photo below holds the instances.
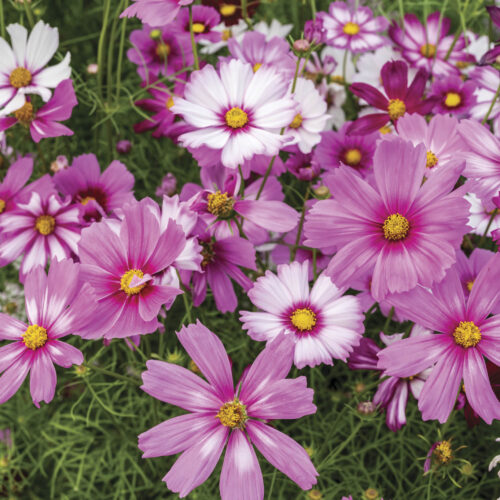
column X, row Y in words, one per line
column 273, row 29
column 22, row 66
column 237, row 111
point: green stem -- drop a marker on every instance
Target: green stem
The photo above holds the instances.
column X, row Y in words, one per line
column 185, row 299
column 120, row 55
column 301, row 224
column 490, row 222
column 193, row 41
column 100, row 47
column 29, row 14
column 313, row 8
column 344, row 67
column 495, row 97
column 113, row 374
column 388, row 320
column 2, row 21
column 330, row 458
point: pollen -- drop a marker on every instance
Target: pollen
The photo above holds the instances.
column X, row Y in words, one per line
column 233, row 414
column 45, row 224
column 85, row 200
column 236, row 118
column 396, row 108
column 428, row 50
column 396, row 227
column 352, row 157
column 170, row 102
column 432, row 159
column 385, row 130
column 469, row 285
column 452, row 100
column 163, row 50
column 336, row 79
column 2, row 205
column 198, row 28
column 24, row 114
column 226, row 35
column 155, row 34
column 220, row 204
column 35, row 337
column 467, row 334
column 256, row 66
column 297, row 121
column 227, row 9
column 442, row 452
column 303, row 319
column 207, row 253
column 351, row 28
column 127, row 279
column 20, row 77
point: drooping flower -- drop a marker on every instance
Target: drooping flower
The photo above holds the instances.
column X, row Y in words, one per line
column 236, row 111
column 22, row 67
column 400, row 98
column 353, row 29
column 324, row 323
column 219, row 413
column 45, row 227
column 204, row 20
column 155, row 12
column 404, row 232
column 468, row 268
column 122, row 263
column 44, row 122
column 430, row 47
column 301, row 166
column 439, row 454
column 453, row 95
column 467, row 335
column 57, row 305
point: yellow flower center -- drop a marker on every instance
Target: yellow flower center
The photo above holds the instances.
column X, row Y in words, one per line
column 462, row 64
column 220, row 204
column 170, row 102
column 236, row 118
column 443, row 452
column 45, row 224
column 297, row 121
column 303, row 319
column 371, row 494
column 467, row 334
column 20, row 77
column 428, row 50
column 396, row 227
column 227, row 9
column 469, row 285
column 432, row 159
column 163, row 50
column 24, row 114
column 452, row 100
column 207, row 253
column 396, row 108
column 155, row 34
column 127, row 279
column 314, row 495
column 385, row 130
column 85, row 200
column 256, row 66
column 2, row 205
column 352, row 157
column 233, row 414
column 226, row 35
column 34, row 337
column 198, row 27
column 351, row 28
column 336, row 79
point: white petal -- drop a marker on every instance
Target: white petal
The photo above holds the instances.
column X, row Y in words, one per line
column 18, row 35
column 42, row 45
column 52, row 76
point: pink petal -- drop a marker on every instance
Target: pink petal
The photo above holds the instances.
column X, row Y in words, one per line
column 43, row 379
column 271, row 215
column 63, row 354
column 14, row 376
column 11, row 328
column 153, row 297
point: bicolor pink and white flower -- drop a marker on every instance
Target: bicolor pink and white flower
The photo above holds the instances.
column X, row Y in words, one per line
column 224, row 416
column 155, row 12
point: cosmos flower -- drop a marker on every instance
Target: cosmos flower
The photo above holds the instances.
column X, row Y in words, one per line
column 454, row 95
column 221, row 415
column 231, row 11
column 237, row 111
column 404, row 232
column 467, row 335
column 482, row 216
column 301, row 166
column 487, row 79
column 13, row 183
column 22, row 67
column 468, row 268
column 155, row 12
column 57, row 305
column 324, row 323
column 440, row 453
column 430, row 47
column 122, row 265
column 353, row 29
column 204, row 20
column 45, row 227
column 400, row 98
column 44, row 122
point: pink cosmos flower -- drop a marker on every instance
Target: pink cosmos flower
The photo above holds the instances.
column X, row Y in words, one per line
column 453, row 95
column 301, row 166
column 487, row 79
column 482, row 218
column 22, row 67
column 236, row 111
column 404, row 232
column 466, row 335
column 44, row 122
column 221, row 414
column 121, row 262
column 353, row 29
column 96, row 193
column 56, row 305
column 430, row 47
column 204, row 20
column 468, row 268
column 400, row 98
column 13, row 183
column 392, row 393
column 155, row 12
column 45, row 227
column 324, row 323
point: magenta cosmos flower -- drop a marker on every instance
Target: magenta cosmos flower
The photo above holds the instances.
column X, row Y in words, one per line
column 44, row 122
column 404, row 232
column 220, row 415
column 155, row 12
column 430, row 47
column 236, row 111
column 42, row 228
column 56, row 305
column 466, row 335
column 12, row 185
column 122, row 264
column 353, row 29
column 324, row 323
column 96, row 193
column 400, row 98
column 453, row 95
column 204, row 20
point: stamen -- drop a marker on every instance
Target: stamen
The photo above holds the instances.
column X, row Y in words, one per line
column 352, row 157
column 45, row 224
column 442, row 452
column 428, row 50
column 256, row 66
column 396, row 227
column 297, row 121
column 35, row 337
column 396, row 108
column 24, row 114
column 220, row 204
column 20, row 77
column 467, row 334
column 303, row 319
column 432, row 159
column 236, row 118
column 163, row 50
column 126, row 280
column 2, row 205
column 170, row 102
column 227, row 9
column 198, row 28
column 233, row 414
column 452, row 100
column 351, row 28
